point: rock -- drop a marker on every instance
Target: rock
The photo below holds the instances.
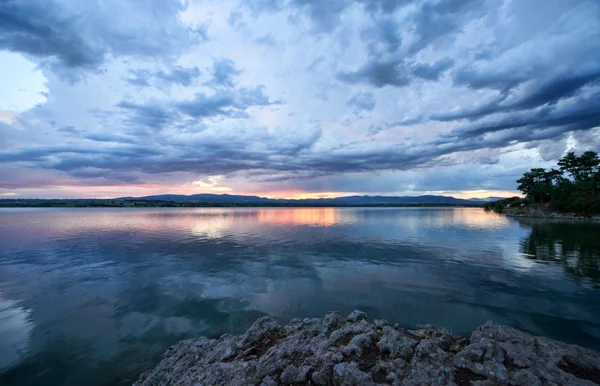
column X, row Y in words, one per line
column 292, row 374
column 260, row 328
column 303, row 373
column 332, row 320
column 268, row 381
column 395, row 343
column 323, row 376
column 354, row 351
column 356, row 316
column 289, row 374
column 348, row 374
column 358, row 343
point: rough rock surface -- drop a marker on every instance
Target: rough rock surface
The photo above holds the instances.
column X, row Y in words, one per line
column 353, row 351
column 542, row 211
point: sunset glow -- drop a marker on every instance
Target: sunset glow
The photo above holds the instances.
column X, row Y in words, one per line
column 322, row 217
column 292, row 99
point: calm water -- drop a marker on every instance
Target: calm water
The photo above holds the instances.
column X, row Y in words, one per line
column 94, row 296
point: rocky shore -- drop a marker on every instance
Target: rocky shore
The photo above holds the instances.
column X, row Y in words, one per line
column 334, row 350
column 539, row 211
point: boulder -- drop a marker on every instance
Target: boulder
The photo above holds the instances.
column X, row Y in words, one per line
column 353, row 351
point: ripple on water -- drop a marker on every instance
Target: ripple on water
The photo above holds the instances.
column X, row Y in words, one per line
column 86, row 293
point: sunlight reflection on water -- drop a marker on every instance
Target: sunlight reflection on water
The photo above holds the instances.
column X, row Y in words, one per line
column 85, row 293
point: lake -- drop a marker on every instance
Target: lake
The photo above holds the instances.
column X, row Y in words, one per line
column 94, row 296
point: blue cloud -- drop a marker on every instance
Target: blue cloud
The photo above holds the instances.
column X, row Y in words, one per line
column 223, row 73
column 81, row 35
column 364, row 101
column 229, row 103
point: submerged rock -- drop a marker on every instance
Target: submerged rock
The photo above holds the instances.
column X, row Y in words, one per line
column 353, row 351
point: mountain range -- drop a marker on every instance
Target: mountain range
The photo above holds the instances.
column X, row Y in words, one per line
column 338, row 201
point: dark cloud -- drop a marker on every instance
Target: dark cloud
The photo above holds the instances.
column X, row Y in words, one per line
column 383, row 36
column 40, row 29
column 530, row 127
column 443, row 19
column 387, row 64
column 179, row 75
column 383, row 6
column 538, row 92
column 36, row 154
column 548, row 123
column 394, row 72
column 477, row 79
column 139, row 78
column 80, row 35
column 432, row 71
column 70, row 130
column 151, row 114
column 325, row 15
column 538, row 98
column 362, row 101
column 376, row 129
column 223, row 73
column 4, row 128
column 378, row 73
column 176, row 75
column 110, row 137
column 406, row 122
column 225, row 102
column 550, row 149
column 242, row 149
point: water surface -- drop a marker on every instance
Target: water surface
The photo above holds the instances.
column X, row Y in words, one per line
column 94, row 296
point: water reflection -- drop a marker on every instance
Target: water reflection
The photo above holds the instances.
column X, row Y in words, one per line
column 15, row 327
column 574, row 245
column 92, row 291
column 319, row 217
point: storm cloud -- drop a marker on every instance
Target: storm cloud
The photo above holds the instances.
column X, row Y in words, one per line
column 83, row 35
column 371, row 96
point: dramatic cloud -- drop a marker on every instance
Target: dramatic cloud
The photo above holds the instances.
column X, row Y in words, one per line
column 230, row 103
column 75, row 35
column 433, row 71
column 176, row 76
column 149, row 114
column 362, row 101
column 395, row 72
column 363, row 96
column 223, row 72
column 379, row 74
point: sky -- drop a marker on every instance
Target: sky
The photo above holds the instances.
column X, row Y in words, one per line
column 292, row 98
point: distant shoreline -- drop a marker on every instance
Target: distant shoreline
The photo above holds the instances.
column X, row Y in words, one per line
column 158, row 204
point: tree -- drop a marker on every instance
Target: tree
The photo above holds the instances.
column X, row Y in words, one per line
column 582, row 168
column 574, row 194
column 538, row 183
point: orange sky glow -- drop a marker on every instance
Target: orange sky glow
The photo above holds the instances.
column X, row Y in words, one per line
column 138, row 190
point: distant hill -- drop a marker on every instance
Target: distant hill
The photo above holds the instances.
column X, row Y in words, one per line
column 487, row 199
column 349, row 200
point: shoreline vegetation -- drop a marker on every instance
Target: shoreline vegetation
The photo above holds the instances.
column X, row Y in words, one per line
column 354, row 351
column 571, row 191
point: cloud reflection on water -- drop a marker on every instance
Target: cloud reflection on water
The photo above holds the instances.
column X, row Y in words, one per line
column 102, row 287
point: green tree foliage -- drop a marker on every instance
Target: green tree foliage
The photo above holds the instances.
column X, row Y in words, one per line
column 538, row 183
column 498, row 206
column 581, row 169
column 580, row 193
